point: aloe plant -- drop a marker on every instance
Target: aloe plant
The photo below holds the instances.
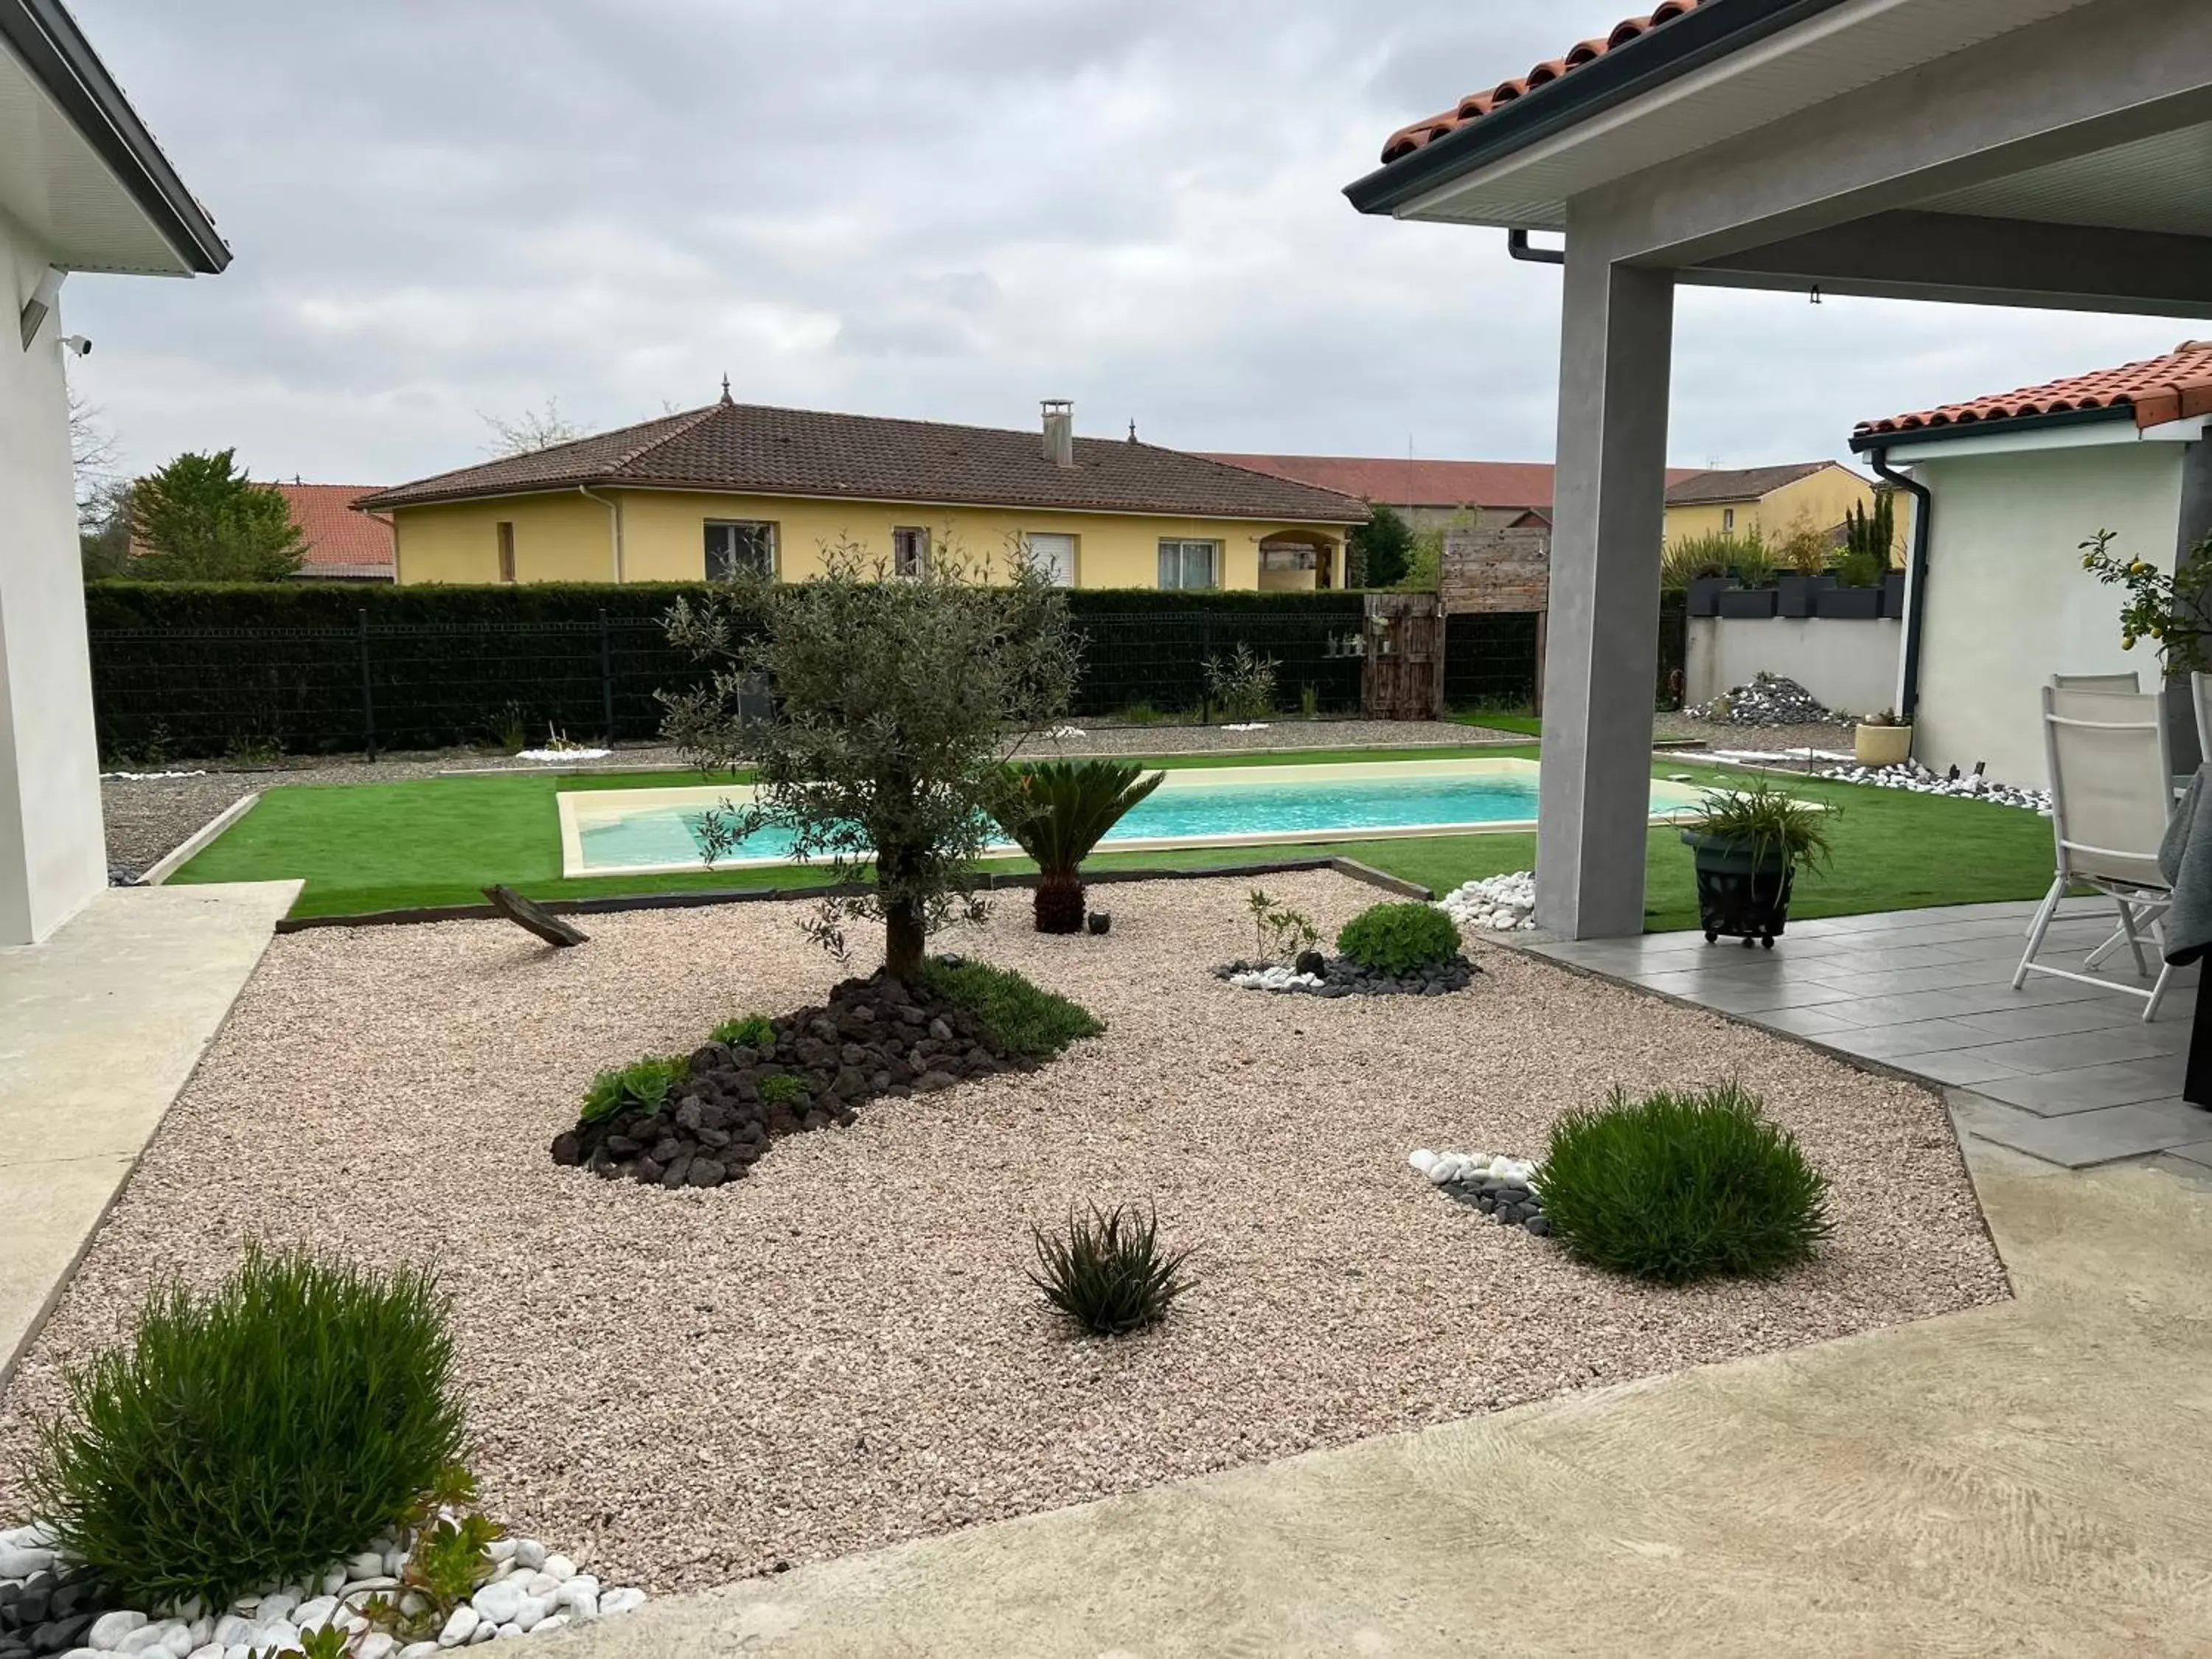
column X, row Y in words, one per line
column 1057, row 812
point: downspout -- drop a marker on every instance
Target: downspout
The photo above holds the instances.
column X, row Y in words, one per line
column 614, row 524
column 1923, row 516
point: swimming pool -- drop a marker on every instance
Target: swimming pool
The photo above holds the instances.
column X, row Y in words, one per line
column 641, row 831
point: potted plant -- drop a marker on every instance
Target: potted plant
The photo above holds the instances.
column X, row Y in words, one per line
column 1749, row 843
column 1800, row 560
column 1057, row 812
column 1862, row 572
column 1882, row 740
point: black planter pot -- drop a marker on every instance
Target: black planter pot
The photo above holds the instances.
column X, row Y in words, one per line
column 1753, row 603
column 1705, row 595
column 1739, row 896
column 1850, row 604
column 1893, row 595
column 1796, row 595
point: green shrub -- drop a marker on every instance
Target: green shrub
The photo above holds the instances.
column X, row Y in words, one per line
column 1682, row 1186
column 1025, row 1018
column 1107, row 1272
column 751, row 1032
column 255, row 1435
column 640, row 1086
column 783, row 1090
column 1399, row 939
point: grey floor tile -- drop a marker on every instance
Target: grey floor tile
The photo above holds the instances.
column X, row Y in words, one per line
column 1922, row 1036
column 1802, row 1022
column 1958, row 1066
column 2084, row 1139
column 2197, row 1151
column 2058, row 1018
column 1753, row 997
column 2079, row 1049
column 2057, row 1094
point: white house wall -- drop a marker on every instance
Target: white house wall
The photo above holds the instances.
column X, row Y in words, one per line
column 2008, row 604
column 1848, row 666
column 53, row 856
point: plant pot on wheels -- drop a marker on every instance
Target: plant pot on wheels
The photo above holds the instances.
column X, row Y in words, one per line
column 1743, row 892
column 1882, row 745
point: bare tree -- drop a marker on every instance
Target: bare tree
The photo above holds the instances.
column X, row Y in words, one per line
column 92, row 448
column 532, row 430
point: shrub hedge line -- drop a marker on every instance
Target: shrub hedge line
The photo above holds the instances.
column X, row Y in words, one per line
column 183, row 669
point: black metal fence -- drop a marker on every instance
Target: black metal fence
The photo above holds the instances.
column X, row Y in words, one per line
column 1490, row 660
column 167, row 693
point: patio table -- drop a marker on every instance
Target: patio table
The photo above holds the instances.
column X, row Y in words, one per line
column 2185, row 859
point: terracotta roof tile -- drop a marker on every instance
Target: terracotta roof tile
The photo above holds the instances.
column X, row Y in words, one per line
column 1401, row 482
column 1476, row 104
column 795, row 452
column 2177, row 386
column 340, row 541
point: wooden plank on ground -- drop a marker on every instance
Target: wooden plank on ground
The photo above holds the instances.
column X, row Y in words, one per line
column 535, row 918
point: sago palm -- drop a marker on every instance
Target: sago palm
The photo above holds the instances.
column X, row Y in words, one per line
column 1057, row 812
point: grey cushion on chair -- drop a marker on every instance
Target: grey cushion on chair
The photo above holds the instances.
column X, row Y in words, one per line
column 2186, row 857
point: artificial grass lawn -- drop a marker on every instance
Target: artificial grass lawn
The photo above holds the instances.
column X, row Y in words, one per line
column 365, row 848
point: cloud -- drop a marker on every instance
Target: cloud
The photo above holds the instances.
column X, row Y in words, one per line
column 946, row 211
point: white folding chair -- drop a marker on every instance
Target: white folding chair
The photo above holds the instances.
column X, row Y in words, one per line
column 2129, row 681
column 2111, row 790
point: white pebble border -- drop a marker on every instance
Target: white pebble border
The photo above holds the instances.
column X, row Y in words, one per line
column 1912, row 775
column 1067, row 732
column 563, row 754
column 146, row 777
column 1498, row 904
column 532, row 1591
column 1255, row 726
column 1276, row 979
column 1442, row 1169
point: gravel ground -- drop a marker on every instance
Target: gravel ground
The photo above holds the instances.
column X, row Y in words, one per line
column 1824, row 734
column 841, row 1350
column 149, row 817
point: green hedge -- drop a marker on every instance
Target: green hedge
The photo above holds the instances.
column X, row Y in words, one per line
column 183, row 669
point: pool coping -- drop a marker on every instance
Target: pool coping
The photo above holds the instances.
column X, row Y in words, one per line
column 575, row 806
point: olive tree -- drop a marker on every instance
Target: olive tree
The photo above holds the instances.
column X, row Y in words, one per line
column 893, row 705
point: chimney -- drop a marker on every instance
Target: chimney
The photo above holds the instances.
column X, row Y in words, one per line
column 1059, row 431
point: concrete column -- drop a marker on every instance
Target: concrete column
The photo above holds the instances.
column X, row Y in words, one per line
column 52, row 854
column 1609, row 524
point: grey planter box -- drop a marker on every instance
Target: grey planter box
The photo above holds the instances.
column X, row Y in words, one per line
column 1705, row 595
column 1799, row 596
column 1747, row 602
column 1893, row 595
column 1850, row 605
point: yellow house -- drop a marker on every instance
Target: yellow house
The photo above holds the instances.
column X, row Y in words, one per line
column 711, row 492
column 1773, row 500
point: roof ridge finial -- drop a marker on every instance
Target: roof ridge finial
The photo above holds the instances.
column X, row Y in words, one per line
column 1132, row 429
column 726, row 388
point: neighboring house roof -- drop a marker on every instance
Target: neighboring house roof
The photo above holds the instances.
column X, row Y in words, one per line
column 71, row 215
column 745, row 448
column 342, row 544
column 1750, row 484
column 1478, row 104
column 2175, row 387
column 1401, row 483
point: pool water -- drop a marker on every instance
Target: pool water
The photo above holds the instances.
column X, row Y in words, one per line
column 647, row 829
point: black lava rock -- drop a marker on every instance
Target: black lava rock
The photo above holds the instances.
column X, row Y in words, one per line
column 873, row 1038
column 60, row 1634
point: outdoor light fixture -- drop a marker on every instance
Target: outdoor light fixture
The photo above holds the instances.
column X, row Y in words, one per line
column 78, row 345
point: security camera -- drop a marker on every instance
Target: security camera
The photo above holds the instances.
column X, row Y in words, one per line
column 76, row 345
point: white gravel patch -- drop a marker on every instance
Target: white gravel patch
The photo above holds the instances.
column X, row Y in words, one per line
column 841, row 1350
column 1497, row 904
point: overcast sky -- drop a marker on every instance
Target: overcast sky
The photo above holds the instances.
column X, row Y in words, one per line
column 444, row 209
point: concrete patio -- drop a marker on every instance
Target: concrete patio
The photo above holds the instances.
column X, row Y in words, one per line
column 2064, row 1072
column 100, row 1027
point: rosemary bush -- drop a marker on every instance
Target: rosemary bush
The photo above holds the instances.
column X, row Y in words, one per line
column 1682, row 1186
column 254, row 1435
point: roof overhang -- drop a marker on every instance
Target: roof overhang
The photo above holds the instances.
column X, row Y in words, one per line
column 78, row 169
column 2051, row 152
column 2081, row 429
column 1725, row 69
